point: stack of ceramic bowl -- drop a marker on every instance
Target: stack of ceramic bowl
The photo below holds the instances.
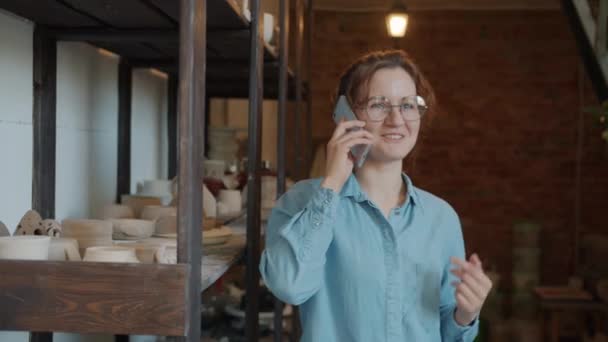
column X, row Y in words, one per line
column 110, row 254
column 25, row 247
column 138, row 202
column 526, row 269
column 132, row 229
column 116, row 211
column 154, row 212
column 223, row 144
column 88, row 233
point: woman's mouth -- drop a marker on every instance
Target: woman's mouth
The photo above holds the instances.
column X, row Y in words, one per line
column 393, row 137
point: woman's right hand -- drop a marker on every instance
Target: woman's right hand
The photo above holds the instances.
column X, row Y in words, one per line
column 339, row 160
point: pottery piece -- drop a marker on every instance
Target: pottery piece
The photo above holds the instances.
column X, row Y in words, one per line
column 87, row 232
column 117, row 211
column 526, row 234
column 110, row 254
column 62, row 249
column 153, row 212
column 132, row 228
column 4, row 230
column 30, row 224
column 166, row 225
column 138, row 202
column 24, row 247
column 526, row 260
column 51, row 228
column 145, row 250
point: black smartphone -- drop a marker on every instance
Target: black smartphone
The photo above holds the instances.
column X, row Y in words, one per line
column 343, row 111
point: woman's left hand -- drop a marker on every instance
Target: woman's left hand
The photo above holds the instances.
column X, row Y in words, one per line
column 472, row 289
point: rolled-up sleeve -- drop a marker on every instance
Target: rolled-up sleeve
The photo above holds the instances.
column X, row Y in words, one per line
column 451, row 331
column 299, row 232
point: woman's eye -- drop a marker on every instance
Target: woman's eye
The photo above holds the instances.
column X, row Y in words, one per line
column 407, row 106
column 377, row 106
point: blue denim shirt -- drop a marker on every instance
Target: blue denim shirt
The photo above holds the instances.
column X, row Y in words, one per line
column 359, row 276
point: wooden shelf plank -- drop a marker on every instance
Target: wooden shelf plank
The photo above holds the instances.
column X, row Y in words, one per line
column 85, row 297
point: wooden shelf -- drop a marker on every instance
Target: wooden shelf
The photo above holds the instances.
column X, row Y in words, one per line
column 147, row 33
column 111, row 297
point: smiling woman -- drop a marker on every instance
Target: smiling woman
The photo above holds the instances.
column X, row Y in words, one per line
column 367, row 255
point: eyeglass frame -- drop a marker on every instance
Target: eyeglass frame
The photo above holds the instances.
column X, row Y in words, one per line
column 418, row 98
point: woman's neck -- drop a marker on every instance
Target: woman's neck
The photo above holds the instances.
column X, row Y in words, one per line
column 383, row 183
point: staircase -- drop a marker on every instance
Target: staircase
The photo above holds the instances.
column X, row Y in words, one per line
column 588, row 20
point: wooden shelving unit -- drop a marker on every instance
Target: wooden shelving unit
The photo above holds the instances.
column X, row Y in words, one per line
column 209, row 49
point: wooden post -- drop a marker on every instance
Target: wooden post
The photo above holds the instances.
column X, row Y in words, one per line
column 281, row 126
column 172, row 88
column 256, row 96
column 44, row 133
column 309, row 34
column 192, row 60
column 298, row 110
column 123, row 166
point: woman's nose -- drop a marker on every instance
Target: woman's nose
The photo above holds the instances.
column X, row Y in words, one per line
column 395, row 117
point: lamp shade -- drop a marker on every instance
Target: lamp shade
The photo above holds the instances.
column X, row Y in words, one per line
column 396, row 23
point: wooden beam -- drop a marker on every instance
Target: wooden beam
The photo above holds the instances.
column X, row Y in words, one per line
column 106, row 35
column 281, row 126
column 84, row 297
column 44, row 123
column 308, row 100
column 299, row 155
column 125, row 83
column 602, row 27
column 172, row 90
column 256, row 96
column 192, row 63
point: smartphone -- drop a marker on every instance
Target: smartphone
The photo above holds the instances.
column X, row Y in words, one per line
column 343, row 111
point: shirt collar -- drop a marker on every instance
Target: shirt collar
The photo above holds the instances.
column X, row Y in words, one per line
column 352, row 188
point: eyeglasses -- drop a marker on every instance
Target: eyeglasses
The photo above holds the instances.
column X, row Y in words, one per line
column 412, row 108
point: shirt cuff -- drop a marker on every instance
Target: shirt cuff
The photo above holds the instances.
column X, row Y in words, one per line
column 458, row 329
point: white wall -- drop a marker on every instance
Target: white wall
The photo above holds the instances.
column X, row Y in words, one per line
column 87, row 120
column 148, row 128
column 15, row 119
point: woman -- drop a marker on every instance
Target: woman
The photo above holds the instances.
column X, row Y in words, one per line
column 366, row 254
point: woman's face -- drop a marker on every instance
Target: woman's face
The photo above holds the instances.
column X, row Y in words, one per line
column 394, row 137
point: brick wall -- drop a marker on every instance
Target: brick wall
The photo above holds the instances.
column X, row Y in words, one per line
column 504, row 144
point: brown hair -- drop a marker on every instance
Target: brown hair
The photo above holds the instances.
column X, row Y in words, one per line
column 355, row 79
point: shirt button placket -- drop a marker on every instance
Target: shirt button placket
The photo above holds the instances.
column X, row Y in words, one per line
column 392, row 312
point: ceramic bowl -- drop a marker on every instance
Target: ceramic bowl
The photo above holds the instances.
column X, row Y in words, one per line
column 111, row 254
column 153, row 212
column 117, row 211
column 132, row 228
column 25, row 247
column 138, row 202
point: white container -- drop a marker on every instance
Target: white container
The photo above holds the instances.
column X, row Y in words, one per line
column 111, row 254
column 268, row 27
column 25, row 247
column 231, row 199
